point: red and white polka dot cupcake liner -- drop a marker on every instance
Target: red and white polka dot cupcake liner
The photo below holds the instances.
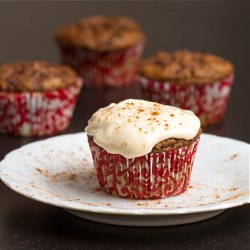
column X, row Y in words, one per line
column 37, row 113
column 153, row 176
column 104, row 69
column 207, row 101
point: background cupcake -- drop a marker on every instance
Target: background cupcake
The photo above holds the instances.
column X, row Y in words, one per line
column 143, row 150
column 36, row 98
column 189, row 80
column 105, row 51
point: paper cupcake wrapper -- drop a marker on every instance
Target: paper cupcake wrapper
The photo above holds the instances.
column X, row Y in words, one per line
column 207, row 101
column 37, row 113
column 153, row 176
column 103, row 69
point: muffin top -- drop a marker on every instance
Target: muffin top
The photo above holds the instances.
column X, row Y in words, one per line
column 35, row 76
column 101, row 33
column 186, row 67
column 133, row 127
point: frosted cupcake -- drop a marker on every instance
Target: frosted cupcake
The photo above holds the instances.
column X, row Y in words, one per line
column 104, row 50
column 190, row 80
column 37, row 98
column 143, row 150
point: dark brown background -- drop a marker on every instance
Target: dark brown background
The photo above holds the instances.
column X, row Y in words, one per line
column 27, row 31
column 220, row 27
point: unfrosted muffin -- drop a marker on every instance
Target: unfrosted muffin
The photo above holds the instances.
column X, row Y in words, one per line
column 104, row 50
column 190, row 80
column 36, row 98
column 143, row 150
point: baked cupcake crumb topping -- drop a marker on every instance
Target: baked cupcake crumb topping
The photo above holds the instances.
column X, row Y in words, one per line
column 186, row 67
column 35, row 76
column 101, row 33
column 133, row 127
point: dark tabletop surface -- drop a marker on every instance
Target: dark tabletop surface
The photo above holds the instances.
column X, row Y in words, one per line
column 218, row 27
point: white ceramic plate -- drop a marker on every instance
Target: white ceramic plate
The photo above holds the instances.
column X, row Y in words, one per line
column 59, row 171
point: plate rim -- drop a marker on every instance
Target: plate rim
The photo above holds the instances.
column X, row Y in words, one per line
column 152, row 221
column 114, row 210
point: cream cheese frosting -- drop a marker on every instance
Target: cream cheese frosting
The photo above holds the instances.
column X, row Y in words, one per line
column 133, row 127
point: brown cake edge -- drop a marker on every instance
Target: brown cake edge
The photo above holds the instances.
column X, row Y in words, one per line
column 169, row 144
column 173, row 143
